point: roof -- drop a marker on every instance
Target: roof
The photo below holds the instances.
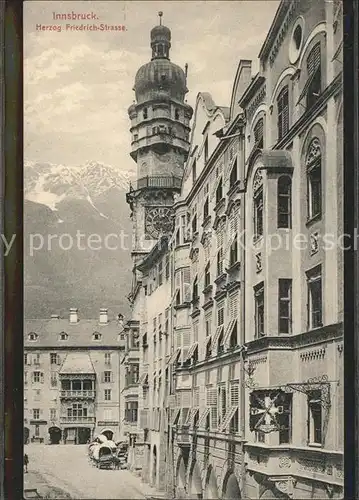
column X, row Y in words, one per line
column 273, row 30
column 80, row 334
column 77, row 362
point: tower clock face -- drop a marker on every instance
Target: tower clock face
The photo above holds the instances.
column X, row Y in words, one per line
column 158, row 221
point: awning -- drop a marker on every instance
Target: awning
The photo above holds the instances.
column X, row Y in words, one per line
column 203, row 417
column 191, row 352
column 229, row 330
column 227, row 418
column 174, row 358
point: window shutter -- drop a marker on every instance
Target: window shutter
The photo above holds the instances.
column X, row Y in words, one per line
column 234, row 394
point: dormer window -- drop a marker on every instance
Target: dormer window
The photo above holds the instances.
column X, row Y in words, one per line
column 96, row 336
column 63, row 336
column 33, row 336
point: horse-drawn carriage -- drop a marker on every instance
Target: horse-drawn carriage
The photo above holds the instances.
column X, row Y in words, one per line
column 105, row 454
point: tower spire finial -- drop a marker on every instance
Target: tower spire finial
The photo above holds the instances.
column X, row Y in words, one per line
column 160, row 14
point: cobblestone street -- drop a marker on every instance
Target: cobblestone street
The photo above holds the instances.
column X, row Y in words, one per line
column 66, row 468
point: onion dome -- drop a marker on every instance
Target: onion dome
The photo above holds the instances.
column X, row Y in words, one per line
column 160, row 77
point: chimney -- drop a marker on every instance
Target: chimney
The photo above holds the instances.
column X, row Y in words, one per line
column 103, row 316
column 73, row 315
column 55, row 316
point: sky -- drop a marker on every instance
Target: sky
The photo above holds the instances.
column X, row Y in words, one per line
column 78, row 84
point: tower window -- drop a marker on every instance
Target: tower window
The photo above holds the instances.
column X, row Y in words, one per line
column 145, row 113
column 177, row 115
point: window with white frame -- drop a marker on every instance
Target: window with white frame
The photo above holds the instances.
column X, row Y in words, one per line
column 107, row 358
column 38, row 377
column 53, row 379
column 52, row 413
column 315, row 300
column 107, row 394
column 285, row 305
column 107, row 376
column 212, row 402
column 284, row 207
column 315, row 417
column 259, row 310
column 36, row 414
column 107, row 414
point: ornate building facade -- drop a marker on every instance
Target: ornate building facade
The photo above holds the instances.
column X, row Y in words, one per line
column 240, row 302
column 72, row 378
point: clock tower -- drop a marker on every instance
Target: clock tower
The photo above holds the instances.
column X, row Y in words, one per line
column 160, row 130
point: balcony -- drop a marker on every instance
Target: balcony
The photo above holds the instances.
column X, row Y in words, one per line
column 78, row 394
column 77, row 420
column 157, row 181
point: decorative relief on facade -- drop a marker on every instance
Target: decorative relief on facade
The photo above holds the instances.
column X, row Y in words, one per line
column 256, row 101
column 313, row 355
column 259, row 262
column 314, row 152
column 314, row 243
column 258, row 361
column 280, row 37
column 285, row 462
column 257, row 180
column 313, row 466
column 282, row 486
column 340, row 348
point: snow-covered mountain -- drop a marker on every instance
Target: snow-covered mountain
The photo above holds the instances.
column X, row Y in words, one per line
column 62, row 199
column 49, row 183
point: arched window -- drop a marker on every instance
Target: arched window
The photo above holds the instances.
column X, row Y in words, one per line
column 314, row 75
column 258, row 134
column 283, row 113
column 314, row 179
column 284, row 214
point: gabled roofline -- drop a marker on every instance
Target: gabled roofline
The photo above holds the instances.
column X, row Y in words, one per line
column 277, row 21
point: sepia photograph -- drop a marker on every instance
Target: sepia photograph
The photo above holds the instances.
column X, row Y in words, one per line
column 184, row 246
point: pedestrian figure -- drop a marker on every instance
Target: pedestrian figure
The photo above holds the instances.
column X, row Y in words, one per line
column 26, row 461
